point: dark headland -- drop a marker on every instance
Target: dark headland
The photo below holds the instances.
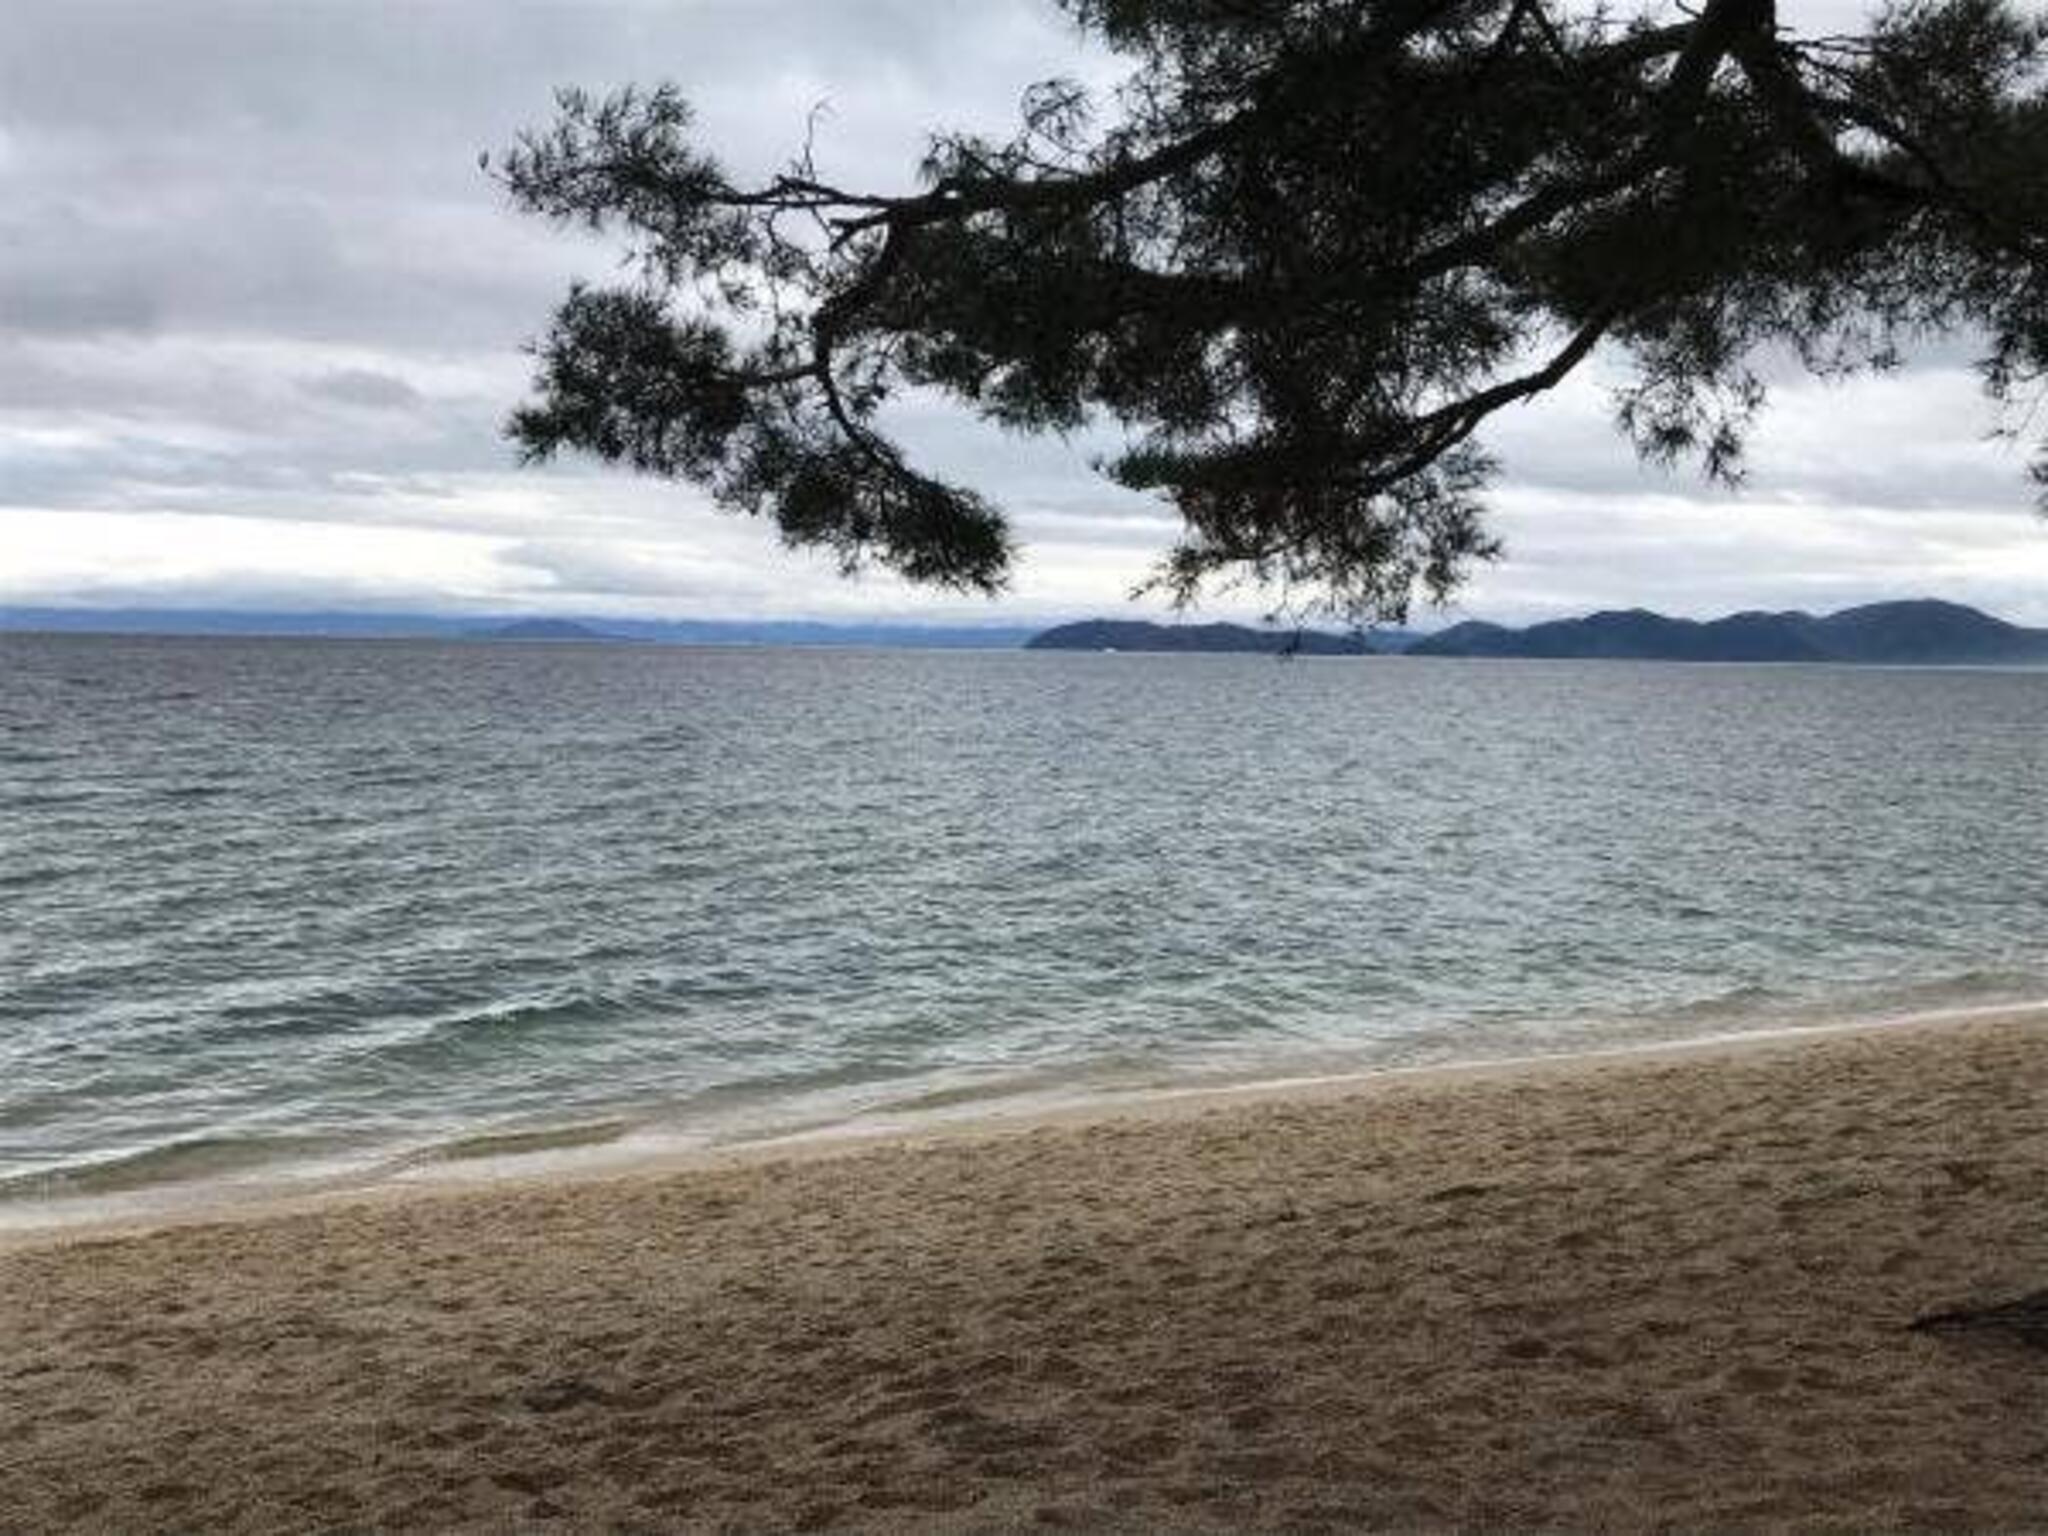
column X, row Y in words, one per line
column 1141, row 635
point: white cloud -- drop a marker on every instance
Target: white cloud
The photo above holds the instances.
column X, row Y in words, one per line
column 195, row 558
column 1572, row 552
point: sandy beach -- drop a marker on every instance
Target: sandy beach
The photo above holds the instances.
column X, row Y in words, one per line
column 1659, row 1290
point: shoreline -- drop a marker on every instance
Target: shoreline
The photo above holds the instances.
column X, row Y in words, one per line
column 1644, row 1290
column 564, row 1154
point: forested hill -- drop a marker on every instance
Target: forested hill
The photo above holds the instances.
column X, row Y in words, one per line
column 1139, row 635
column 1915, row 633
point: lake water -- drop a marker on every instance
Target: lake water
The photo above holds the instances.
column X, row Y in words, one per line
column 278, row 909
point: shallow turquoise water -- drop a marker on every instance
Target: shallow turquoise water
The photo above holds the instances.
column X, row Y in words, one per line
column 274, row 905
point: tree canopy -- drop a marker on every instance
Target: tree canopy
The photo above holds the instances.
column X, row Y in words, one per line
column 1300, row 259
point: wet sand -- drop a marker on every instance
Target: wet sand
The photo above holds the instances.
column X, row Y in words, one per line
column 1666, row 1289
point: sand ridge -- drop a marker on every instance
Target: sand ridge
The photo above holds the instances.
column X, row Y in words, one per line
column 1659, row 1291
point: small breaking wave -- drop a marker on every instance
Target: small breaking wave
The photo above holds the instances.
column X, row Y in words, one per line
column 519, row 1143
column 186, row 1160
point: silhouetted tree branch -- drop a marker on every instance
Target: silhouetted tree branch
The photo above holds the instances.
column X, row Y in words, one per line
column 1320, row 245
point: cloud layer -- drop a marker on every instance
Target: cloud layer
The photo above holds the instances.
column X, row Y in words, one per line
column 261, row 315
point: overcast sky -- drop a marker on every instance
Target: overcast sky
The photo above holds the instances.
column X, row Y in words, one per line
column 260, row 316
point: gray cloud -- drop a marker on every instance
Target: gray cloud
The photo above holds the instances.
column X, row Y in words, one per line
column 1918, row 437
column 364, row 387
column 73, row 303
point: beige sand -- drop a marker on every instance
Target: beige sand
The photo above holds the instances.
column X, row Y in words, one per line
column 1648, row 1291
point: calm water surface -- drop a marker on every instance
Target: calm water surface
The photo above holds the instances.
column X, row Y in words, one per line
column 298, row 905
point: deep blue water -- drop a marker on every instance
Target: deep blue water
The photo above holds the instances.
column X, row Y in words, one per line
column 268, row 904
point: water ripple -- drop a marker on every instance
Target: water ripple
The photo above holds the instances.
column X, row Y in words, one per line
column 263, row 899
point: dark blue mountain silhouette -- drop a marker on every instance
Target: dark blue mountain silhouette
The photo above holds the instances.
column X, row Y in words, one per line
column 541, row 629
column 1920, row 632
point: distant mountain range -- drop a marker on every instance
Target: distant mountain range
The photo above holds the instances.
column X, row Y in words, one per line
column 1916, row 633
column 428, row 626
column 1922, row 632
column 1139, row 635
column 541, row 629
